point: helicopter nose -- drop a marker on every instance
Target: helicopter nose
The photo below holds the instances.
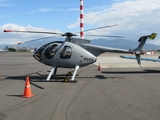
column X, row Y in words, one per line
column 95, row 59
column 37, row 57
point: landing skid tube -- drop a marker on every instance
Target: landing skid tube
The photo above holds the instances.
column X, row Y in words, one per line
column 72, row 80
column 67, row 78
column 54, row 69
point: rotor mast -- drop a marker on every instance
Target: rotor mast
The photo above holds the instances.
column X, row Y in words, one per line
column 81, row 20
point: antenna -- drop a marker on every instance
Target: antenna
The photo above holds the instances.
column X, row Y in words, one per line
column 81, row 20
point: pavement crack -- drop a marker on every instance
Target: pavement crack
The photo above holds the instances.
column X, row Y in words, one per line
column 57, row 104
column 2, row 116
column 75, row 98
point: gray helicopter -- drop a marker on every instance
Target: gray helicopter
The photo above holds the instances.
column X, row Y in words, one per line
column 76, row 52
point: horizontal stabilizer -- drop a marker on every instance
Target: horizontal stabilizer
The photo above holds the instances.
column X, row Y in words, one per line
column 142, row 41
column 152, row 36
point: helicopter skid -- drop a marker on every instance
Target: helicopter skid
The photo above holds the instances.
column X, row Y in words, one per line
column 74, row 73
column 68, row 76
column 75, row 81
column 54, row 69
column 68, row 80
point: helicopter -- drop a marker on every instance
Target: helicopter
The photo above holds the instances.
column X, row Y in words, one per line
column 76, row 52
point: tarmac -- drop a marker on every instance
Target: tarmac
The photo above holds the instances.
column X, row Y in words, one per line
column 120, row 91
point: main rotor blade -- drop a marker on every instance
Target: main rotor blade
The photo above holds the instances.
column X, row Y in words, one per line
column 33, row 32
column 36, row 39
column 100, row 27
column 106, row 36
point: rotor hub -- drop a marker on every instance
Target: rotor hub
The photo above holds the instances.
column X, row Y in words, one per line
column 69, row 34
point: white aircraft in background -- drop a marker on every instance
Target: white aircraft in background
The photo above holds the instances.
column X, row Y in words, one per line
column 1, row 50
column 145, row 59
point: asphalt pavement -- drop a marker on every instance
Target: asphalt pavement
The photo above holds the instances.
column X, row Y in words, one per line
column 114, row 93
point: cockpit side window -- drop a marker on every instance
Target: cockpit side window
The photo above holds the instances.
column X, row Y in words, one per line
column 50, row 51
column 66, row 52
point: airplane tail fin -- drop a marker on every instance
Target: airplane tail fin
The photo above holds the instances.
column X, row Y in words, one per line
column 138, row 51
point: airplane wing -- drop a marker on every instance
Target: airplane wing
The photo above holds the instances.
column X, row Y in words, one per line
column 145, row 59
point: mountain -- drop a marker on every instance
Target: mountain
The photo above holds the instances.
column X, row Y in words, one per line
column 115, row 43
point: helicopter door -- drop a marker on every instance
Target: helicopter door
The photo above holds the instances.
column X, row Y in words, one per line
column 66, row 52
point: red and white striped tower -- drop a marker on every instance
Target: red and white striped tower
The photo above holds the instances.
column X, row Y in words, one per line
column 81, row 20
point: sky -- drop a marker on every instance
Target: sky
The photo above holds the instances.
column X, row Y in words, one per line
column 135, row 18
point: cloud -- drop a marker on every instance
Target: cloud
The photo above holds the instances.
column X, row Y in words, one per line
column 45, row 9
column 119, row 0
column 50, row 10
column 73, row 25
column 2, row 4
column 3, row 0
column 135, row 18
column 5, row 5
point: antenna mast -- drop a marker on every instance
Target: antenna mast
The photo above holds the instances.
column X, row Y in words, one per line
column 81, row 20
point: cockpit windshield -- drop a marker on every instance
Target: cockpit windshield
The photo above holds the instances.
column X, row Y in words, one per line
column 50, row 51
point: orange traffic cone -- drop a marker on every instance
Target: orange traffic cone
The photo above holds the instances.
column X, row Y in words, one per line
column 27, row 89
column 99, row 68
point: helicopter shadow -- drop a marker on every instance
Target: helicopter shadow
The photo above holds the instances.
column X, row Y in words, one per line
column 61, row 76
column 34, row 79
column 102, row 77
column 36, row 76
column 57, row 78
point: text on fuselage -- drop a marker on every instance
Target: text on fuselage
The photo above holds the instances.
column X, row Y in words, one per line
column 88, row 59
